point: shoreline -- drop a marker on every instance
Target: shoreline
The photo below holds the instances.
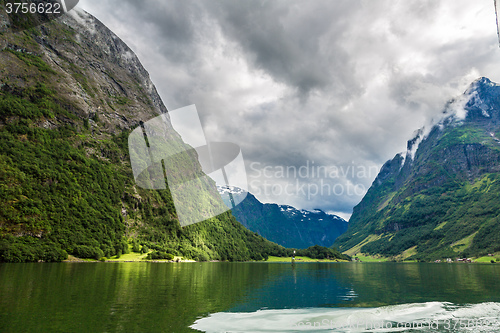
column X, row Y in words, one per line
column 136, row 257
column 80, row 261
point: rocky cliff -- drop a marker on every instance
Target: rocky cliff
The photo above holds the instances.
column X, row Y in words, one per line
column 440, row 198
column 70, row 93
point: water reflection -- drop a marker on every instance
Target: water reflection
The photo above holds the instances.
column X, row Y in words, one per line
column 123, row 297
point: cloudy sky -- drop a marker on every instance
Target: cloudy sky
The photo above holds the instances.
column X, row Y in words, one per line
column 334, row 87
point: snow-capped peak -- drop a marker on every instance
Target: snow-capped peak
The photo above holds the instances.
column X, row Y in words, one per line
column 455, row 113
column 472, row 98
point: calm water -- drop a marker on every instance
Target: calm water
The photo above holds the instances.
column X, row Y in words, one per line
column 247, row 297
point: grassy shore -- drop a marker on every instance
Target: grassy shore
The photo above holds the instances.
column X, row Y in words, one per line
column 128, row 257
column 138, row 257
column 367, row 258
column 132, row 256
column 488, row 259
column 141, row 257
column 301, row 259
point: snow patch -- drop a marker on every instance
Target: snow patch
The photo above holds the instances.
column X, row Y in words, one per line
column 471, row 98
column 229, row 189
column 475, row 101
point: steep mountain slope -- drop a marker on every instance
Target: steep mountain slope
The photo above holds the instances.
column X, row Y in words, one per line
column 441, row 198
column 70, row 93
column 286, row 225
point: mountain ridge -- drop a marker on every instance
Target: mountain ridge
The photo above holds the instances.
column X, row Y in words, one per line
column 70, row 93
column 286, row 225
column 432, row 202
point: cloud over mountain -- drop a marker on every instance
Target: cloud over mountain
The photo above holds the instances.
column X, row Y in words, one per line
column 340, row 83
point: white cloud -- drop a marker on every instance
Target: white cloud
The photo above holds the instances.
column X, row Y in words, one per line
column 339, row 83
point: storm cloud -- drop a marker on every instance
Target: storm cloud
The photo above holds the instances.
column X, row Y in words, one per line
column 334, row 84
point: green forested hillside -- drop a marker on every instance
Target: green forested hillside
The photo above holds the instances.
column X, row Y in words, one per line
column 68, row 100
column 443, row 201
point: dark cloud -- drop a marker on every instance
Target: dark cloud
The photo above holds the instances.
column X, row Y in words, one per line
column 341, row 83
column 290, row 40
column 172, row 27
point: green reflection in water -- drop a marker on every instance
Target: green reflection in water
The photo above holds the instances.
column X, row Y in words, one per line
column 380, row 284
column 169, row 297
column 116, row 297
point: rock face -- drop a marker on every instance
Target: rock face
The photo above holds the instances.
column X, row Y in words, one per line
column 440, row 198
column 99, row 73
column 288, row 226
column 70, row 93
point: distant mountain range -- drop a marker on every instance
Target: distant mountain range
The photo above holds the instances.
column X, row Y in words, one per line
column 285, row 225
column 441, row 198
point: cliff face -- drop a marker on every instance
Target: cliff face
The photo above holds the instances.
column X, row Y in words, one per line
column 97, row 72
column 439, row 198
column 70, row 93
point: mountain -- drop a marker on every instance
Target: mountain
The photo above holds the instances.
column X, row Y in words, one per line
column 70, row 94
column 442, row 197
column 284, row 224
